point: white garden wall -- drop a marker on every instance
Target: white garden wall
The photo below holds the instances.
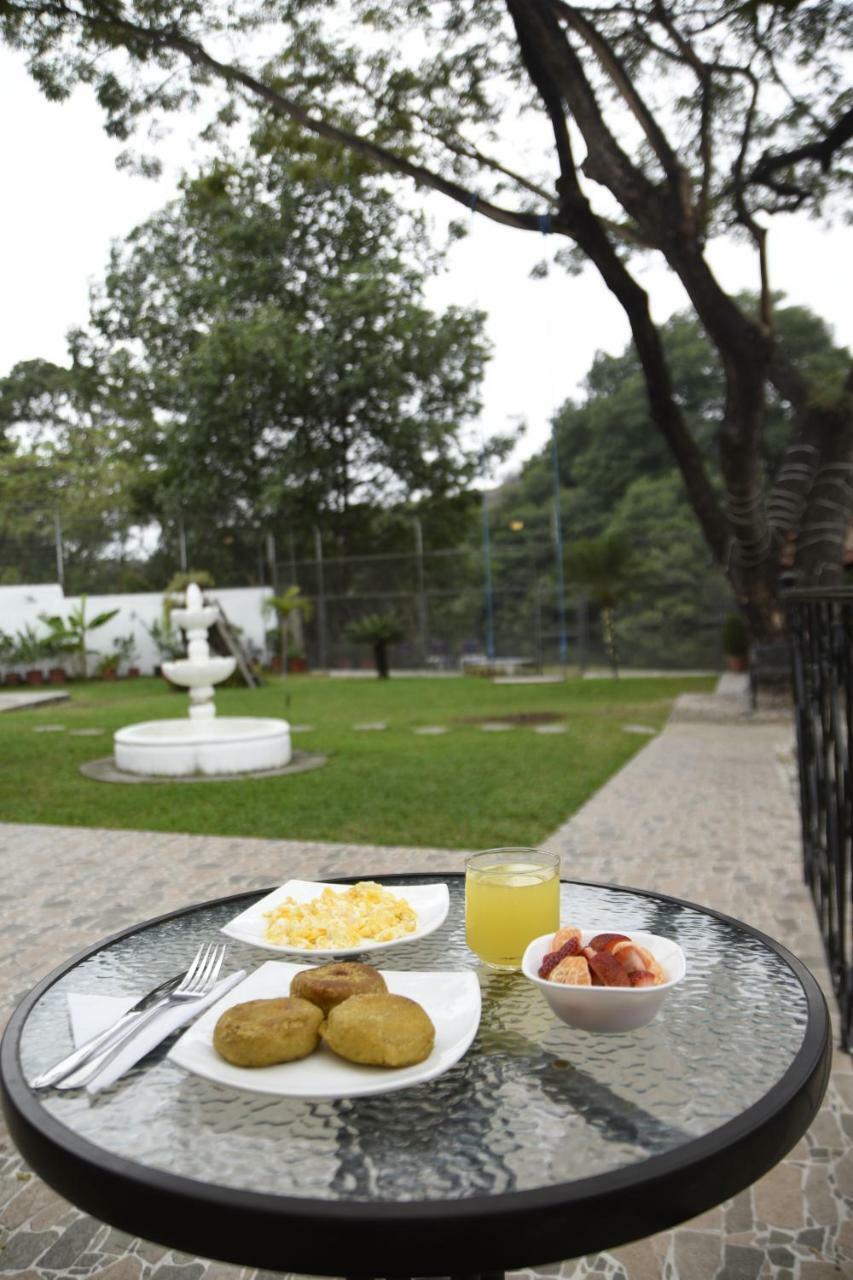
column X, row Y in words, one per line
column 20, row 606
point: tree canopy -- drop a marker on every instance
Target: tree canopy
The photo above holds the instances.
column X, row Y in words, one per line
column 621, row 129
column 259, row 360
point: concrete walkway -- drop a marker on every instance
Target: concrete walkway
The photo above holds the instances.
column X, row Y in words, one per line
column 18, row 701
column 705, row 811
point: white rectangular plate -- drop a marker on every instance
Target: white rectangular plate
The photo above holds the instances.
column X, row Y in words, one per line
column 430, row 903
column 452, row 1000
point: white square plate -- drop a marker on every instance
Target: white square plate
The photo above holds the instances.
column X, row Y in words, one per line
column 452, row 1000
column 430, row 903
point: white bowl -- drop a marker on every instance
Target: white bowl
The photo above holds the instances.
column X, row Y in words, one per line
column 607, row 1008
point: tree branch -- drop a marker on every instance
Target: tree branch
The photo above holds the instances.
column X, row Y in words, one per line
column 822, row 150
column 232, row 74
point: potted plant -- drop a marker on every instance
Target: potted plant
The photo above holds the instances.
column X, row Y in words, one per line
column 7, row 648
column 292, row 609
column 167, row 638
column 378, row 630
column 107, row 667
column 74, row 631
column 56, row 643
column 29, row 650
column 124, row 649
column 735, row 642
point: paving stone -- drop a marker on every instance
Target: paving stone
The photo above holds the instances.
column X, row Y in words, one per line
column 740, row 1263
column 187, row 1271
column 646, row 729
column 302, row 728
column 431, row 729
column 820, row 1198
column 550, row 728
column 86, row 733
column 370, row 727
column 739, row 1214
column 812, row 1238
column 819, row 1271
column 34, row 1196
column 496, row 726
column 843, row 1174
column 126, row 1268
column 778, row 1197
column 639, row 1260
column 49, row 728
column 23, row 1248
column 696, row 1255
column 70, row 1245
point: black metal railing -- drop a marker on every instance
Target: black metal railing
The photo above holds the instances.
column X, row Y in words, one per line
column 820, row 626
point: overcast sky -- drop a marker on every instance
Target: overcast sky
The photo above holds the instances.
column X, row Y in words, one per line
column 63, row 202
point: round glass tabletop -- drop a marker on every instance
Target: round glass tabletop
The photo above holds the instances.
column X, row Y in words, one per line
column 534, row 1114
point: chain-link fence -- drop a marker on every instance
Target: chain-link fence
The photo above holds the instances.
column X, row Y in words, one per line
column 498, row 597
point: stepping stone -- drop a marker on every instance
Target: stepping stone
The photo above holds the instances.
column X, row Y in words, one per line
column 496, row 726
column 550, row 728
column 302, row 728
column 86, row 733
column 432, row 729
column 370, row 727
column 49, row 728
column 638, row 728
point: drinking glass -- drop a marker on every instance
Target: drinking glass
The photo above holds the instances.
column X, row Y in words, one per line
column 511, row 897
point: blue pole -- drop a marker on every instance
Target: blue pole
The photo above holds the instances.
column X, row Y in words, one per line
column 487, row 569
column 558, row 551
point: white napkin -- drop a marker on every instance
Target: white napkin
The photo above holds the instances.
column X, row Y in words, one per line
column 91, row 1014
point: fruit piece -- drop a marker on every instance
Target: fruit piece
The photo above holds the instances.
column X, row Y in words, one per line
column 642, row 978
column 610, row 970
column 553, row 958
column 650, row 963
column 606, row 941
column 629, row 955
column 572, row 972
column 564, row 935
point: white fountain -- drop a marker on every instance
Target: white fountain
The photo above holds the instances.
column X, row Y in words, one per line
column 204, row 743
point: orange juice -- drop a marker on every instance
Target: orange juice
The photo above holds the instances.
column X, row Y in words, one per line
column 509, row 901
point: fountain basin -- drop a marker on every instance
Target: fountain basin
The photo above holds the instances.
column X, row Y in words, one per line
column 220, row 746
column 192, row 674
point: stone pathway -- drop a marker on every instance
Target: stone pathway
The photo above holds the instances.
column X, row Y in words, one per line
column 18, row 701
column 705, row 811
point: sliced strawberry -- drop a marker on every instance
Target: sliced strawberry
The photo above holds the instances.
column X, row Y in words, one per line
column 610, row 970
column 606, row 941
column 553, row 958
column 642, row 978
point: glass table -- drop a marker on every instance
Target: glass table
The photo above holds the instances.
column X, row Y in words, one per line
column 541, row 1143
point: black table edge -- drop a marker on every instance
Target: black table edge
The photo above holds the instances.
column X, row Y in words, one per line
column 476, row 1234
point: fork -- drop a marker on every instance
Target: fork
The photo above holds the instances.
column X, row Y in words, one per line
column 197, row 982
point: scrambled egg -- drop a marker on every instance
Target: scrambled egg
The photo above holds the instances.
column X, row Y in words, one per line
column 363, row 913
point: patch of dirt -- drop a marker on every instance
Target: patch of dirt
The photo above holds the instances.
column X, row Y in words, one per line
column 520, row 717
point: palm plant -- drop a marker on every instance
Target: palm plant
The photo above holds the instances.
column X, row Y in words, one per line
column 602, row 568
column 378, row 630
column 73, row 632
column 291, row 610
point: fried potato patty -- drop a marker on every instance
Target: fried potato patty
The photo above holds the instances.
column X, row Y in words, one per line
column 330, row 984
column 380, row 1031
column 261, row 1033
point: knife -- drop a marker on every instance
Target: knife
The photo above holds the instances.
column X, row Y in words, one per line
column 76, row 1059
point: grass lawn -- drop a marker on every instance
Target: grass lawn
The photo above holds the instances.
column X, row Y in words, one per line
column 464, row 789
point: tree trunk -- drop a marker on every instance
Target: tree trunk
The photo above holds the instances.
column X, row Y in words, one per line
column 380, row 657
column 828, row 430
column 283, row 630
